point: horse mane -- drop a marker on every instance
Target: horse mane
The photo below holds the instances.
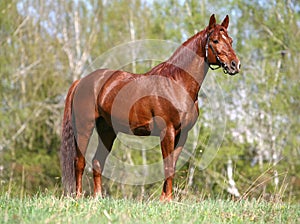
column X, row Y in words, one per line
column 181, row 57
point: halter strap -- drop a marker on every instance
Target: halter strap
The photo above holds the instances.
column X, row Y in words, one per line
column 222, row 64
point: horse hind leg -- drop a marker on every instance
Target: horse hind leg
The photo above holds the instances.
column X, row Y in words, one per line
column 82, row 141
column 79, row 169
column 105, row 142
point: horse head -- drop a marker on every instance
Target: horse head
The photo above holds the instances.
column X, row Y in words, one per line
column 218, row 47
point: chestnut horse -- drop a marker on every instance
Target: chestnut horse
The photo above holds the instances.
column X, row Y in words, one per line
column 162, row 102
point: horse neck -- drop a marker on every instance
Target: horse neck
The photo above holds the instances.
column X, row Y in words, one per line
column 188, row 63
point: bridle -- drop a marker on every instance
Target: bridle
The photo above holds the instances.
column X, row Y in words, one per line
column 221, row 64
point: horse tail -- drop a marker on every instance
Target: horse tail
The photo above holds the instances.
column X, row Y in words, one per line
column 68, row 145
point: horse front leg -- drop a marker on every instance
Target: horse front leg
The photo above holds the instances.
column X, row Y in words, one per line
column 171, row 149
column 167, row 147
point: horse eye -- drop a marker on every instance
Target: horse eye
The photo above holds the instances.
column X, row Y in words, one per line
column 215, row 41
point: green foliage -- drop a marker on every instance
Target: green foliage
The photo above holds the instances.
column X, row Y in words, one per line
column 27, row 176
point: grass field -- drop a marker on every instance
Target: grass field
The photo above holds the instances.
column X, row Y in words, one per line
column 52, row 209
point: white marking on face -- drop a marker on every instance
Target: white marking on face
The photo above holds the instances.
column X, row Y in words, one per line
column 224, row 37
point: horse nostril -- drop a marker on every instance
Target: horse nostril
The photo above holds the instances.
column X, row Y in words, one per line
column 233, row 64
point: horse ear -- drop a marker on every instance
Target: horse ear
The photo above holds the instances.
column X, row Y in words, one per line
column 212, row 22
column 225, row 22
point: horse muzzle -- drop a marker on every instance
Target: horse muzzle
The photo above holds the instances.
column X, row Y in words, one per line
column 233, row 68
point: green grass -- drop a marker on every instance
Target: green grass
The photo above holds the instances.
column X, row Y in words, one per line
column 52, row 209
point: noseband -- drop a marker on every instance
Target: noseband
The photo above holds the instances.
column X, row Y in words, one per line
column 221, row 64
